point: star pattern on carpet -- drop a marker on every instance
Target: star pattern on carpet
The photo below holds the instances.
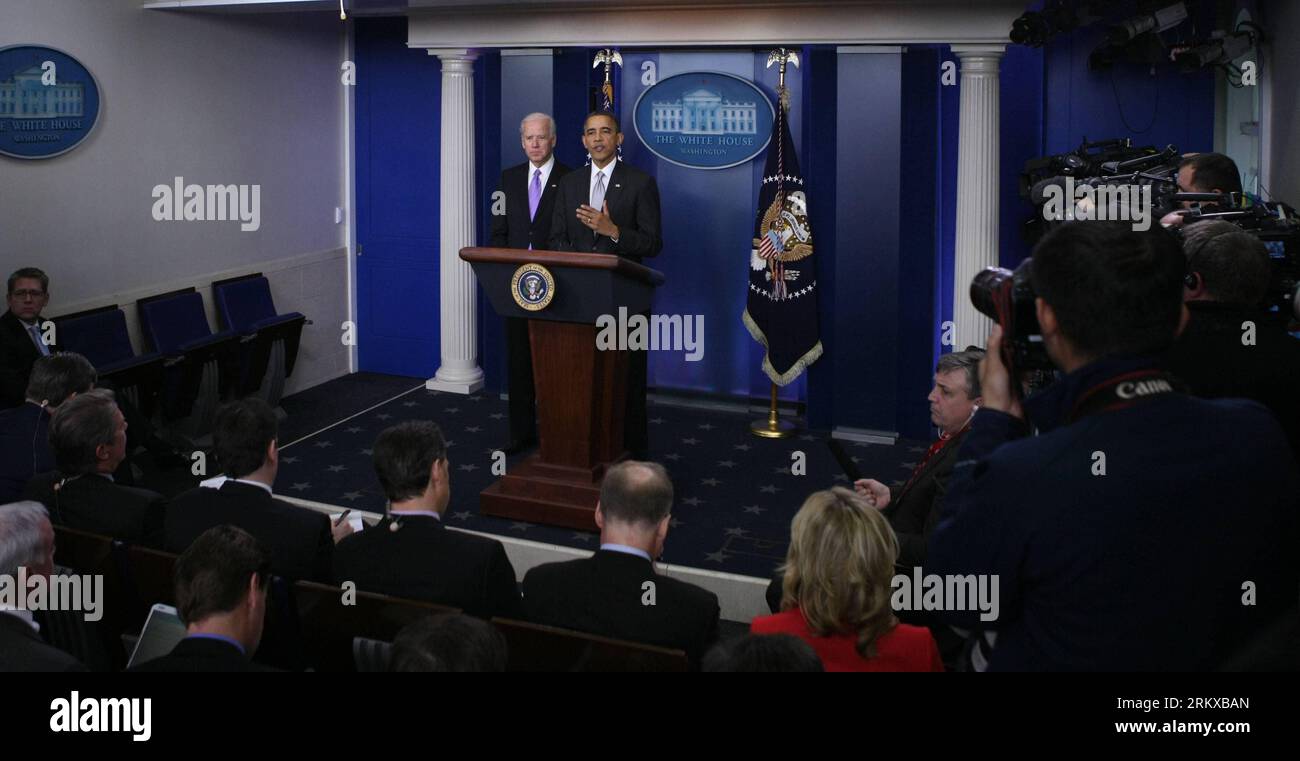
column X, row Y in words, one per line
column 742, row 528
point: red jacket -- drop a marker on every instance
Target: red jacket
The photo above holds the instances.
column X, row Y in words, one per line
column 905, row 648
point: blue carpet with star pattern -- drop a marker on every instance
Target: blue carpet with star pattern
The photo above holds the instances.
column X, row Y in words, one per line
column 735, row 493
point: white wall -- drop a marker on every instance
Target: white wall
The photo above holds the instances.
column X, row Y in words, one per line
column 228, row 99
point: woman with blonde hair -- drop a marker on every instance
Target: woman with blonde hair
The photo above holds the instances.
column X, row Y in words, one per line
column 837, row 589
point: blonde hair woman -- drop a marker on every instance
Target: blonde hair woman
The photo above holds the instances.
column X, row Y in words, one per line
column 837, row 589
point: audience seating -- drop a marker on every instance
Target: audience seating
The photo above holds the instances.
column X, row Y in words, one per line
column 268, row 340
column 98, row 644
column 327, row 626
column 307, row 624
column 200, row 366
column 534, row 647
column 100, row 335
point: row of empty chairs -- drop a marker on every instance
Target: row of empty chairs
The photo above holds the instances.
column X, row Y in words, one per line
column 308, row 625
column 187, row 369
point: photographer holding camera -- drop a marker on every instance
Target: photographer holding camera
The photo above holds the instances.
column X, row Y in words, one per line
column 1231, row 347
column 1141, row 529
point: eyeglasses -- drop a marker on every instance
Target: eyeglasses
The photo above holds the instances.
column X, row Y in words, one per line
column 26, row 294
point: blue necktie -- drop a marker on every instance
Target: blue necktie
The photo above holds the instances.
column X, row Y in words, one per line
column 36, row 338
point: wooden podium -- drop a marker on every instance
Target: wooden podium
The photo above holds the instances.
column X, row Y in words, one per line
column 581, row 390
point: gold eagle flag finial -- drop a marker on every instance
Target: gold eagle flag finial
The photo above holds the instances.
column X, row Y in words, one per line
column 783, row 56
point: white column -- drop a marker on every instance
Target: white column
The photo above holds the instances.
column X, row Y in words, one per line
column 459, row 371
column 977, row 186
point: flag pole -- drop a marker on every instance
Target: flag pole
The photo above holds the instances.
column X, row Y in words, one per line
column 774, row 427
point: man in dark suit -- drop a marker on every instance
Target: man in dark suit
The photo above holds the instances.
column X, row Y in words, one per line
column 21, row 340
column 27, row 541
column 221, row 583
column 1232, row 347
column 612, row 209
column 912, row 507
column 410, row 553
column 525, row 222
column 616, row 592
column 300, row 540
column 88, row 436
column 25, row 431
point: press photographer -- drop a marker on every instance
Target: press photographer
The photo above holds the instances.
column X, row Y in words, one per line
column 1141, row 528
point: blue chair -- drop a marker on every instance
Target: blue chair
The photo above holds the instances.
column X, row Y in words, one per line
column 269, row 341
column 200, row 366
column 100, row 335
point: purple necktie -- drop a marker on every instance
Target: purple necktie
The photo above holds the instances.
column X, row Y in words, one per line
column 534, row 193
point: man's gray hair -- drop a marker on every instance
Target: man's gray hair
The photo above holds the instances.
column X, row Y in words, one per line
column 79, row 426
column 58, row 376
column 550, row 122
column 969, row 361
column 21, row 543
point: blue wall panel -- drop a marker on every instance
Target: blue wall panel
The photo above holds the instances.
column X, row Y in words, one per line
column 397, row 144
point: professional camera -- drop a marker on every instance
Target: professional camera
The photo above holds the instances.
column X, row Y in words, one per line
column 1008, row 298
column 1099, row 179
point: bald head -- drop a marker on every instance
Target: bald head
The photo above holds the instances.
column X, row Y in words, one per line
column 636, row 494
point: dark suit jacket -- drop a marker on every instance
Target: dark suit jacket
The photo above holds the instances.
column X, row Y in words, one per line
column 423, row 560
column 1210, row 357
column 95, row 504
column 514, row 229
column 633, row 200
column 297, row 538
column 24, row 448
column 17, row 355
column 603, row 595
column 22, row 649
column 913, row 509
column 200, row 654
